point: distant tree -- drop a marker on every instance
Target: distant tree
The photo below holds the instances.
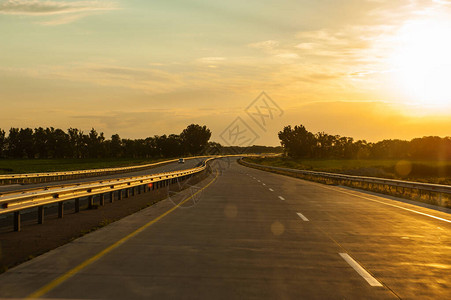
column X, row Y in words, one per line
column 116, row 146
column 14, row 150
column 129, row 148
column 75, row 142
column 40, row 140
column 393, row 149
column 169, row 146
column 213, row 148
column 297, row 141
column 26, row 142
column 61, row 144
column 95, row 144
column 2, row 142
column 151, row 147
column 195, row 138
column 431, row 147
column 324, row 145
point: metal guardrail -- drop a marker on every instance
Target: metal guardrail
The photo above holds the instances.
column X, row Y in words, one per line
column 55, row 176
column 342, row 179
column 19, row 201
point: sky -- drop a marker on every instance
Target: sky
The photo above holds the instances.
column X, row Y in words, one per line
column 370, row 69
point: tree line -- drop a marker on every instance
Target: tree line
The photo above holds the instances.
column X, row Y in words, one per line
column 74, row 143
column 298, row 142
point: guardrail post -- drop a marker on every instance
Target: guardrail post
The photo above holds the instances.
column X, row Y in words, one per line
column 111, row 197
column 41, row 215
column 102, row 199
column 77, row 205
column 119, row 195
column 133, row 191
column 17, row 221
column 127, row 193
column 90, row 202
column 60, row 210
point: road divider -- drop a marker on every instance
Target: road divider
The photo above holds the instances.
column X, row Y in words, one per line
column 14, row 203
column 67, row 175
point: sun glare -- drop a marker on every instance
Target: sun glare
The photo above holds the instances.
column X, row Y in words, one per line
column 422, row 63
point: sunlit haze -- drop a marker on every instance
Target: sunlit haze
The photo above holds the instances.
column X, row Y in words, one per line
column 371, row 69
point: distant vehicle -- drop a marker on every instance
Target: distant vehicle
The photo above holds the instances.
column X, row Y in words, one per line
column 181, row 160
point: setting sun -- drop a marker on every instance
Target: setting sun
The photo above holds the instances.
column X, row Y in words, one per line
column 422, row 62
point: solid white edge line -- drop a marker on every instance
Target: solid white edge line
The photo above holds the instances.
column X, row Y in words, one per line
column 393, row 205
column 281, row 198
column 271, row 190
column 302, row 217
column 360, row 270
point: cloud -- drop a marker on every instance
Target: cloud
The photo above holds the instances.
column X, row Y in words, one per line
column 268, row 45
column 212, row 59
column 287, row 55
column 62, row 12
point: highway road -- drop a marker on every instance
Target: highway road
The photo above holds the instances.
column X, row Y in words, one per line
column 250, row 234
column 189, row 163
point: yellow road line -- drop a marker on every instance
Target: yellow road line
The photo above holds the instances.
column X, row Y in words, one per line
column 54, row 283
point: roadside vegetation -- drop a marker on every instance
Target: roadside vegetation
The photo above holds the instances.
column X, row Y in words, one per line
column 26, row 150
column 426, row 159
column 56, row 143
column 413, row 170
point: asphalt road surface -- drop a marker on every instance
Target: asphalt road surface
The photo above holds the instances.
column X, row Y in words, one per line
column 251, row 235
column 175, row 166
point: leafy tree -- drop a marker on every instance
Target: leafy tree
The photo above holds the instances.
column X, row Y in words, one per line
column 40, row 139
column 26, row 142
column 169, row 146
column 76, row 142
column 2, row 142
column 116, row 146
column 195, row 138
column 95, row 144
column 61, row 143
column 297, row 141
column 14, row 150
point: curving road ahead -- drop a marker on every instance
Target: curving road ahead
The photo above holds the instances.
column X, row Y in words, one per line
column 252, row 234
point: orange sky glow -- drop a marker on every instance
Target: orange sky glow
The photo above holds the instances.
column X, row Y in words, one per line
column 371, row 69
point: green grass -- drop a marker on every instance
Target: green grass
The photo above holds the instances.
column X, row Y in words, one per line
column 423, row 171
column 17, row 166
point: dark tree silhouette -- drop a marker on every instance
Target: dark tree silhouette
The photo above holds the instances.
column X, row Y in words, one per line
column 115, row 146
column 14, row 143
column 195, row 138
column 2, row 142
column 298, row 142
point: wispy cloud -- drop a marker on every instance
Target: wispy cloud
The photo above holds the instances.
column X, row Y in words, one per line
column 212, row 59
column 62, row 12
column 268, row 45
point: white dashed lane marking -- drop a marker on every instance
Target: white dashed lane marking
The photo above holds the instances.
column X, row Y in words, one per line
column 360, row 270
column 302, row 217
